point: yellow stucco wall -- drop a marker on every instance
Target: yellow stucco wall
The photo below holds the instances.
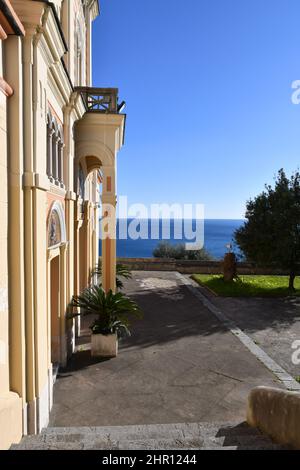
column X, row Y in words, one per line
column 10, row 403
column 32, row 66
column 4, row 372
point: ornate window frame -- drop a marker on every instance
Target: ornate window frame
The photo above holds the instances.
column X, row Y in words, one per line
column 58, row 208
column 55, row 154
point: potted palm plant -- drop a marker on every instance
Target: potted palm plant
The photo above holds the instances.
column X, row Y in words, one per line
column 111, row 311
column 122, row 271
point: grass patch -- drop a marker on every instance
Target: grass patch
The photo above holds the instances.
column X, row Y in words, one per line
column 297, row 378
column 249, row 286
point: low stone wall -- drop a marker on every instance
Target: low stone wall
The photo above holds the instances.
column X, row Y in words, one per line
column 276, row 413
column 191, row 267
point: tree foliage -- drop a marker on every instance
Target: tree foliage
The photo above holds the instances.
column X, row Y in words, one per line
column 271, row 233
column 178, row 251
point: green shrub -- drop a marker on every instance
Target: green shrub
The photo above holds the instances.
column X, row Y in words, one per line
column 167, row 250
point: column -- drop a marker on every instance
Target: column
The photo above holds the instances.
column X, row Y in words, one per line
column 108, row 229
column 61, row 163
column 28, row 181
column 84, row 248
column 63, row 304
column 17, row 351
column 55, row 158
column 77, row 227
column 49, row 360
column 49, row 152
column 70, row 263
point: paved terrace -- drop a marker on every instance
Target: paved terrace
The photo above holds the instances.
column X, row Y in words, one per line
column 180, row 365
column 273, row 323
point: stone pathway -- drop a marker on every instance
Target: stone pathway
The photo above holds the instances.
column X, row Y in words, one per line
column 181, row 365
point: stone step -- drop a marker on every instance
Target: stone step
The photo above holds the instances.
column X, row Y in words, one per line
column 152, row 444
column 150, row 437
column 241, row 442
column 159, row 431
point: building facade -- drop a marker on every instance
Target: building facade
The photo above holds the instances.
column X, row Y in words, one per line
column 59, row 139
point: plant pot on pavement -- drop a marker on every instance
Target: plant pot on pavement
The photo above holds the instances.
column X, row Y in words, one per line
column 111, row 312
column 104, row 345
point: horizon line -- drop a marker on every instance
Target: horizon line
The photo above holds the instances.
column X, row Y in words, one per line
column 177, row 218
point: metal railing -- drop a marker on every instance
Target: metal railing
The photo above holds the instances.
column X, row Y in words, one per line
column 101, row 100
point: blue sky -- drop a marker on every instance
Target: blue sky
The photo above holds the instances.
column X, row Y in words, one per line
column 207, row 85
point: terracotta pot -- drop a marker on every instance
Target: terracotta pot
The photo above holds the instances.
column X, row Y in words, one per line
column 104, row 345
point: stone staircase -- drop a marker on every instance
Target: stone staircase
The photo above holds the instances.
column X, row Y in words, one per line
column 185, row 436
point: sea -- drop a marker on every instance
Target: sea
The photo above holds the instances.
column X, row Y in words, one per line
column 218, row 234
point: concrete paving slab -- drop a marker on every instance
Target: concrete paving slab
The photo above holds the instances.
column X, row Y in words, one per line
column 180, row 365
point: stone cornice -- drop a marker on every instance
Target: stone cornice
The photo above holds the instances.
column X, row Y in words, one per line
column 94, row 8
column 9, row 18
column 105, row 119
column 39, row 16
column 60, row 192
column 76, row 106
column 115, row 121
column 53, row 35
column 5, row 88
column 59, row 83
column 71, row 196
column 30, row 13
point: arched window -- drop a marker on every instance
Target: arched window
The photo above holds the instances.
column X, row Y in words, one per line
column 79, row 53
column 49, row 147
column 54, row 153
column 60, row 157
column 56, row 227
column 81, row 182
column 55, row 145
column 78, row 60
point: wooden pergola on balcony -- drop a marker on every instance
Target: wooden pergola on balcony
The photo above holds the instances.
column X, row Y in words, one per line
column 101, row 100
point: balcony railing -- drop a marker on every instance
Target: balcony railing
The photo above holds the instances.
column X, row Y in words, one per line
column 101, row 100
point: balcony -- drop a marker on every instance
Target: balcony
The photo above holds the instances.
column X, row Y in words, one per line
column 101, row 100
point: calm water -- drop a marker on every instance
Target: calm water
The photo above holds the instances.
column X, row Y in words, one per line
column 217, row 233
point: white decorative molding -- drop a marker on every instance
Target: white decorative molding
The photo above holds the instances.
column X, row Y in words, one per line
column 71, row 196
column 53, row 35
column 3, row 299
column 59, row 84
column 42, row 408
column 42, row 182
column 3, row 353
column 54, row 189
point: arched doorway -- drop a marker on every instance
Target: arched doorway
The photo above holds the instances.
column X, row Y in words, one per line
column 57, row 246
column 55, row 309
column 87, row 183
column 98, row 166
